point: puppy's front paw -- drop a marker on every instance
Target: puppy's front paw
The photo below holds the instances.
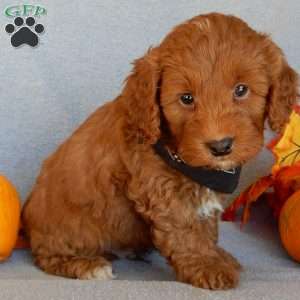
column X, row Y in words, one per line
column 216, row 277
column 219, row 271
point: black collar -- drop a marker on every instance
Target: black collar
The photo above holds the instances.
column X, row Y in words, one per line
column 223, row 181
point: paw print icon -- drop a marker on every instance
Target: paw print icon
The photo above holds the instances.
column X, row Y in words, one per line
column 24, row 32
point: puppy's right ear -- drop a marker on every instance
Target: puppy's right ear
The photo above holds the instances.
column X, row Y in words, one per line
column 283, row 90
column 283, row 96
column 140, row 97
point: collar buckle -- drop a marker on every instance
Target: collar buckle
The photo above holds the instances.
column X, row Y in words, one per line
column 174, row 156
column 230, row 171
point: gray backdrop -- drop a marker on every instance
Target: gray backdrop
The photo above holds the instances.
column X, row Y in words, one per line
column 82, row 59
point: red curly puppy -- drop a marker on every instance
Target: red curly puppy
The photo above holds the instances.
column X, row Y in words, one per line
column 204, row 93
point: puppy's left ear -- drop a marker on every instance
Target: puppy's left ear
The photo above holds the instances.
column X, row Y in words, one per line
column 283, row 92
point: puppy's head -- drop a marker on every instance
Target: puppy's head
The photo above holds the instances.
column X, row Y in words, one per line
column 208, row 88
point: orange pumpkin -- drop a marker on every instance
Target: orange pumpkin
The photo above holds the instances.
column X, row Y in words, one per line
column 10, row 209
column 289, row 226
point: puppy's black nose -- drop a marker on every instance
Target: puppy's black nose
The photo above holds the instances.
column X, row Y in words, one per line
column 221, row 147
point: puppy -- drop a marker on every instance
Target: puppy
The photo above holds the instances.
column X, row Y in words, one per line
column 201, row 97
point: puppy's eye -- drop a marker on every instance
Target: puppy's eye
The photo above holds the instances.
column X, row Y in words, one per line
column 240, row 91
column 187, row 99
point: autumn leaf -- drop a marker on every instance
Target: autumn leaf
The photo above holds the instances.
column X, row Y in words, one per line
column 250, row 195
column 287, row 149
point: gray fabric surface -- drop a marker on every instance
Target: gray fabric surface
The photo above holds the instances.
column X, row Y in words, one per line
column 268, row 273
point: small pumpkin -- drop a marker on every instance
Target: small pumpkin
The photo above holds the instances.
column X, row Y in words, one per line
column 10, row 210
column 289, row 226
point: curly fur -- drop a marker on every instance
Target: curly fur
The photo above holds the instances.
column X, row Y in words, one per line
column 105, row 189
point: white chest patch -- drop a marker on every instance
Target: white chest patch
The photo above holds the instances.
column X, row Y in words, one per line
column 210, row 204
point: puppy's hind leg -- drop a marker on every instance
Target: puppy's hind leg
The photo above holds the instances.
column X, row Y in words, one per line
column 97, row 268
